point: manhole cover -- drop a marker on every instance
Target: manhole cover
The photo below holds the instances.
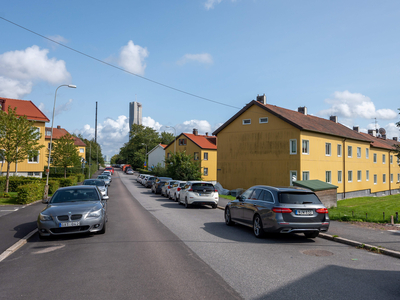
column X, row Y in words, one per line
column 317, row 252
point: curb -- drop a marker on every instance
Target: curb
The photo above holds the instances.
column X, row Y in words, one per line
column 16, row 246
column 360, row 245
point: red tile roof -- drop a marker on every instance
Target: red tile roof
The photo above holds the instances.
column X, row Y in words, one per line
column 203, row 141
column 301, row 121
column 24, row 107
column 163, row 145
column 59, row 132
column 379, row 142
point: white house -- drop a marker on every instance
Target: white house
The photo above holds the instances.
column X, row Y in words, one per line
column 156, row 156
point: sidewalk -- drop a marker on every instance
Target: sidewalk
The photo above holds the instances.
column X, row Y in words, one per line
column 376, row 237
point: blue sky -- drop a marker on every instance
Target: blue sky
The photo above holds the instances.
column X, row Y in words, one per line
column 335, row 57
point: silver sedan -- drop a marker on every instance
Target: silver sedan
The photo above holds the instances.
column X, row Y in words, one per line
column 73, row 209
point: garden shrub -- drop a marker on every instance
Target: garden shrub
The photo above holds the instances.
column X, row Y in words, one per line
column 53, row 186
column 29, row 193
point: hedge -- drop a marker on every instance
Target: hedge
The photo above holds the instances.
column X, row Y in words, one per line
column 72, row 180
column 53, row 186
column 16, row 181
column 30, row 192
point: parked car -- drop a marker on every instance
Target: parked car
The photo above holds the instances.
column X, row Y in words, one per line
column 105, row 178
column 166, row 188
column 176, row 190
column 144, row 178
column 129, row 171
column 140, row 176
column 108, row 174
column 110, row 169
column 199, row 193
column 73, row 209
column 158, row 184
column 282, row 210
column 149, row 182
column 100, row 183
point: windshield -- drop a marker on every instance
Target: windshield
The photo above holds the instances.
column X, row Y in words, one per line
column 94, row 182
column 102, row 177
column 299, row 198
column 74, row 195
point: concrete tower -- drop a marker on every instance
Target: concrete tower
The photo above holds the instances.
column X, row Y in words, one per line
column 135, row 114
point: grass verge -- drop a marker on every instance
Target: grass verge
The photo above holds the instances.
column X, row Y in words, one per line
column 227, row 197
column 10, row 200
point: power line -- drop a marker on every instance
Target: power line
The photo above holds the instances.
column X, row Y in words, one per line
column 118, row 68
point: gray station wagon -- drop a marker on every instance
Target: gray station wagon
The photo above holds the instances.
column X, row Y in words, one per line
column 281, row 210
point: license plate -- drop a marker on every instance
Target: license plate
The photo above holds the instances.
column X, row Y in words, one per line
column 304, row 212
column 69, row 224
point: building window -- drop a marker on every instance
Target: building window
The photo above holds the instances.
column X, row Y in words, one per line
column 293, row 146
column 305, row 175
column 358, row 175
column 349, row 151
column 246, row 121
column 263, row 120
column 366, row 153
column 48, row 132
column 391, row 177
column 196, row 156
column 81, row 150
column 205, row 171
column 38, row 131
column 383, row 158
column 367, row 175
column 350, row 176
column 398, row 177
column 205, row 156
column 358, row 152
column 391, row 159
column 305, row 147
column 375, row 179
column 2, row 155
column 328, row 149
column 33, row 159
column 293, row 177
column 375, row 158
column 339, row 176
column 339, row 150
column 384, row 178
column 182, row 142
column 328, row 176
column 169, row 155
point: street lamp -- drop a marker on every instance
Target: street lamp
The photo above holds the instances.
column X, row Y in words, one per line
column 46, row 187
column 145, row 161
column 174, row 137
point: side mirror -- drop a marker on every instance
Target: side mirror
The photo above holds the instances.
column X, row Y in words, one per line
column 105, row 198
column 240, row 198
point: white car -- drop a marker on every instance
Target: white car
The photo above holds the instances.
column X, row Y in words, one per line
column 175, row 191
column 108, row 173
column 199, row 193
column 144, row 179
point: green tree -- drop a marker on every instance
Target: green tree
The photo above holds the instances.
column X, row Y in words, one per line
column 65, row 154
column 19, row 139
column 181, row 166
column 93, row 152
column 166, row 138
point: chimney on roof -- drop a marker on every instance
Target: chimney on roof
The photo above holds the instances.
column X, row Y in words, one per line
column 206, row 133
column 195, row 132
column 372, row 132
column 333, row 119
column 395, row 138
column 356, row 128
column 58, row 127
column 303, row 110
column 262, row 99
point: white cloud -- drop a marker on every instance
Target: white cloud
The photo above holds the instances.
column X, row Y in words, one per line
column 132, row 57
column 355, row 105
column 149, row 122
column 11, row 88
column 209, row 4
column 63, row 107
column 57, row 38
column 202, row 126
column 203, row 58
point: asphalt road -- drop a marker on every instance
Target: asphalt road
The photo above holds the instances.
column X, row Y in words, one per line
column 157, row 249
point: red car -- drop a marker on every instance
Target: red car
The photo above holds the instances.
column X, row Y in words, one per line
column 110, row 169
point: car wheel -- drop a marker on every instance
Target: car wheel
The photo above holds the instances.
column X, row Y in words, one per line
column 311, row 235
column 187, row 205
column 228, row 218
column 214, row 206
column 103, row 231
column 152, row 191
column 258, row 227
column 175, row 199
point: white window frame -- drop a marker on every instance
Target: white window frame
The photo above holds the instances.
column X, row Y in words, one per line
column 263, row 120
column 366, row 153
column 205, row 171
column 383, row 178
column 358, row 152
column 81, row 150
column 205, row 156
column 367, row 175
column 375, row 179
column 350, row 176
column 375, row 158
column 246, row 120
column 350, row 151
column 328, row 149
column 328, row 176
column 340, row 176
column 34, row 162
column 391, row 159
column 383, row 159
column 391, row 177
column 307, row 143
column 291, row 142
column 339, row 150
column 305, row 174
column 359, row 175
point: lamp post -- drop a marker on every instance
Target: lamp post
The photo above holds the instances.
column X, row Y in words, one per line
column 145, row 161
column 174, row 137
column 46, row 187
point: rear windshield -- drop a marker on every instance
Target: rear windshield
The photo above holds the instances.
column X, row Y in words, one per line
column 94, row 182
column 182, row 184
column 299, row 198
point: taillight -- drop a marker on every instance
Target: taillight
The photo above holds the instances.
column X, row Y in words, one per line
column 322, row 210
column 216, row 191
column 178, row 189
column 282, row 210
column 169, row 187
column 190, row 190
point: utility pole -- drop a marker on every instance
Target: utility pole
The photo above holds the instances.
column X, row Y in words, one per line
column 95, row 140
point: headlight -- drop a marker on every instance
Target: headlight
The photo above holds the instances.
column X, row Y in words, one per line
column 44, row 217
column 94, row 214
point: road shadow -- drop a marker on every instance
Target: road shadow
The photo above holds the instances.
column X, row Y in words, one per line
column 23, row 229
column 244, row 234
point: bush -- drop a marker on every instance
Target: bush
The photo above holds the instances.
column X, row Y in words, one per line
column 143, row 171
column 16, row 181
column 72, row 180
column 80, row 177
column 29, row 193
column 53, row 186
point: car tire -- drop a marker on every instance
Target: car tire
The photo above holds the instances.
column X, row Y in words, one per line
column 152, row 191
column 187, row 205
column 258, row 229
column 103, row 231
column 214, row 206
column 176, row 199
column 311, row 235
column 228, row 218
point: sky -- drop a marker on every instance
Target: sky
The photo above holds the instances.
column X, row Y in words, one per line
column 194, row 64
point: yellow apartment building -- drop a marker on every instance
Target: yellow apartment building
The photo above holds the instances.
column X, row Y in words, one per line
column 32, row 166
column 269, row 145
column 202, row 148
